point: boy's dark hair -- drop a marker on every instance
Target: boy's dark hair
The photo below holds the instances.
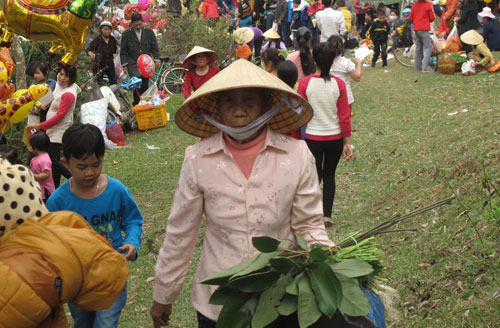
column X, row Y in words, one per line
column 42, row 66
column 327, row 3
column 324, row 54
column 297, row 2
column 371, row 12
column 381, row 5
column 380, row 12
column 340, row 3
column 135, row 17
column 395, row 11
column 336, row 40
column 40, row 141
column 81, row 141
column 272, row 55
column 10, row 154
column 287, row 72
column 70, row 72
column 30, row 69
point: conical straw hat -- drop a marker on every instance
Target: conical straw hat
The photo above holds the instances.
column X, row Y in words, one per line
column 198, row 50
column 242, row 35
column 271, row 34
column 241, row 74
column 472, row 37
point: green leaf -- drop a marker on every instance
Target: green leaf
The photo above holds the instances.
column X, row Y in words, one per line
column 222, row 278
column 261, row 261
column 318, row 255
column 266, row 311
column 238, row 314
column 354, row 301
column 307, row 309
column 301, row 241
column 352, row 268
column 282, row 264
column 326, row 287
column 266, row 244
column 292, row 288
column 254, row 282
column 288, row 305
column 223, row 295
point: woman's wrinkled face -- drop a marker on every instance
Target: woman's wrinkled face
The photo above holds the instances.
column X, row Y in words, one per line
column 106, row 31
column 240, row 107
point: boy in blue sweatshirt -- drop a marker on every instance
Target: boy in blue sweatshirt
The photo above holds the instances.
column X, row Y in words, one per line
column 104, row 202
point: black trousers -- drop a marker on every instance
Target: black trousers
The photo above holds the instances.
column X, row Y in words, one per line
column 360, row 21
column 377, row 48
column 327, row 155
column 58, row 168
column 141, row 90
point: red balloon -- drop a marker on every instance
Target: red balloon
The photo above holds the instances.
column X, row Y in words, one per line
column 146, row 66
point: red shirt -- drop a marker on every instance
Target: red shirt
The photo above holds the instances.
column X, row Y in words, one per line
column 314, row 9
column 422, row 14
column 195, row 81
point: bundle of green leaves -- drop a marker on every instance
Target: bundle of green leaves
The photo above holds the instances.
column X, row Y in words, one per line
column 313, row 281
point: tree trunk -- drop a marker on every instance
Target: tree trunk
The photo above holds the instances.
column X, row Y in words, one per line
column 17, row 54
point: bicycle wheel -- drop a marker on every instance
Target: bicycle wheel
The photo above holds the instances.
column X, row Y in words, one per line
column 173, row 80
column 404, row 56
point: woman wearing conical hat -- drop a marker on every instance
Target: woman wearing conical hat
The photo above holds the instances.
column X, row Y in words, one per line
column 246, row 178
column 274, row 40
column 200, row 68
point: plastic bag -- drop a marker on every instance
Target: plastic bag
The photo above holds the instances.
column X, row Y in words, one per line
column 118, row 64
column 453, row 43
column 95, row 113
column 468, row 68
column 151, row 97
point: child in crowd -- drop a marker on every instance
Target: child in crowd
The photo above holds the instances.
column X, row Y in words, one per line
column 369, row 19
column 343, row 67
column 271, row 60
column 41, row 165
column 244, row 14
column 104, row 202
column 38, row 73
column 316, row 6
column 288, row 73
column 379, row 32
column 299, row 15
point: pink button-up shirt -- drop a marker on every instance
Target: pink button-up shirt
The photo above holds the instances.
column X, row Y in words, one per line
column 281, row 197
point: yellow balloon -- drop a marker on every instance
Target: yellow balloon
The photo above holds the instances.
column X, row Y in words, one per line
column 18, row 101
column 62, row 22
column 22, row 113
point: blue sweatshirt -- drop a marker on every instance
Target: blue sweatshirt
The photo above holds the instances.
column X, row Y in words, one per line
column 109, row 214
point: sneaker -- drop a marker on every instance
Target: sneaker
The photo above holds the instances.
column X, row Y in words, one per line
column 373, row 64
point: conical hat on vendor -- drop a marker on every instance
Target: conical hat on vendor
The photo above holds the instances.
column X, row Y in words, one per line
column 198, row 50
column 242, row 74
column 271, row 34
column 21, row 196
column 243, row 35
column 472, row 37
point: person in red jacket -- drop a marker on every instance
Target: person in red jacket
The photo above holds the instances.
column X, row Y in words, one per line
column 200, row 68
column 210, row 9
column 422, row 14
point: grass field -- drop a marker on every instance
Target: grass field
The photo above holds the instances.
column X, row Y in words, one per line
column 418, row 138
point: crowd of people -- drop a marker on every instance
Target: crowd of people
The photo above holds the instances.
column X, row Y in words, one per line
column 274, row 127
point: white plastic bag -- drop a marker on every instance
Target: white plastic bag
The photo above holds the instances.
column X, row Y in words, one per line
column 118, row 64
column 468, row 68
column 95, row 113
column 151, row 97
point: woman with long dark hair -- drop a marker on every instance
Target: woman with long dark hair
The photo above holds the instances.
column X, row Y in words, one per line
column 60, row 118
column 328, row 134
column 303, row 58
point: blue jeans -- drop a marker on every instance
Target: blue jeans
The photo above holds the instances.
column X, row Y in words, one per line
column 99, row 319
column 284, row 31
column 246, row 22
column 269, row 20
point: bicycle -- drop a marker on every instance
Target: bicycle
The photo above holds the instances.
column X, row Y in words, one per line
column 403, row 48
column 170, row 78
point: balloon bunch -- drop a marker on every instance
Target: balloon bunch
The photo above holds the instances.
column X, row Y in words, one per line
column 15, row 105
column 150, row 16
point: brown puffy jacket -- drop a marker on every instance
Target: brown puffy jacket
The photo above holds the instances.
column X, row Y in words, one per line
column 46, row 263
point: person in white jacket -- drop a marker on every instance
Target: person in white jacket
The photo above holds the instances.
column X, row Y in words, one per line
column 330, row 22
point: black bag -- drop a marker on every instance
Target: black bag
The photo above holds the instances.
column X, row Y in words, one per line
column 351, row 44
